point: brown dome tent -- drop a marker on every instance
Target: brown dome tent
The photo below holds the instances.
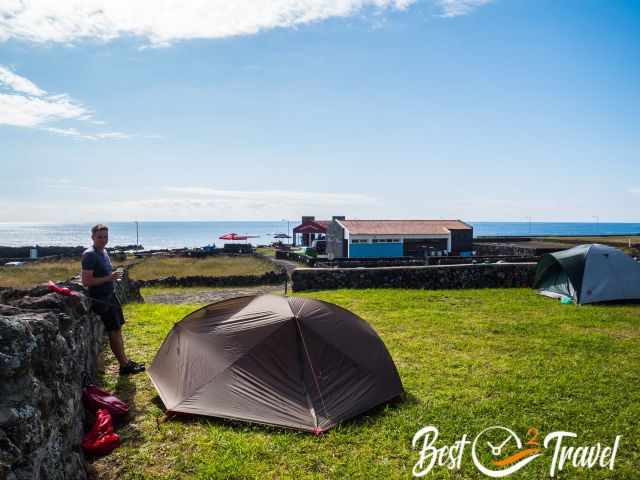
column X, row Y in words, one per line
column 288, row 361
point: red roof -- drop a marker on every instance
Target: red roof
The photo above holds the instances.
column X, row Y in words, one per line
column 403, row 227
column 315, row 226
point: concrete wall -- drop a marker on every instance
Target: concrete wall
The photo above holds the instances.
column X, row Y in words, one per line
column 335, row 239
column 364, row 250
column 431, row 277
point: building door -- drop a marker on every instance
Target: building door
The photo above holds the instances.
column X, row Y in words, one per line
column 414, row 247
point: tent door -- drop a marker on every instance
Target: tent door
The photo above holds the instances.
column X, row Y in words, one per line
column 556, row 284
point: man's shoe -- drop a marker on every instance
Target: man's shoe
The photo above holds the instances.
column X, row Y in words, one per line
column 131, row 368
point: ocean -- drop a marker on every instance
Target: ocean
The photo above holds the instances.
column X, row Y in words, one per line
column 154, row 235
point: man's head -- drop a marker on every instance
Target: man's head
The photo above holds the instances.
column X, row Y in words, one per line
column 100, row 235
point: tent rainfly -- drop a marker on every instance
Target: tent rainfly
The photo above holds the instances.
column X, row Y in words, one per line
column 588, row 274
column 288, row 361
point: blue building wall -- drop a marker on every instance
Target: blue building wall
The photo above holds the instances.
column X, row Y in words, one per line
column 362, row 250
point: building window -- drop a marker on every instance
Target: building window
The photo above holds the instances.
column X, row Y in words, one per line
column 360, row 240
column 386, row 240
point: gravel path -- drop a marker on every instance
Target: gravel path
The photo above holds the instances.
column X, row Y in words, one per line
column 289, row 265
column 210, row 296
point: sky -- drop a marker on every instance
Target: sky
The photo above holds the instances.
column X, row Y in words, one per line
column 483, row 110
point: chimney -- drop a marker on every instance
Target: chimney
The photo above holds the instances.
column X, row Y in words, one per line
column 308, row 219
column 338, row 217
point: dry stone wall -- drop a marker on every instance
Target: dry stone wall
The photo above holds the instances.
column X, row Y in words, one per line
column 501, row 275
column 47, row 343
column 269, row 278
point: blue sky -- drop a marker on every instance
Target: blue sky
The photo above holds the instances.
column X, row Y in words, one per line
column 472, row 109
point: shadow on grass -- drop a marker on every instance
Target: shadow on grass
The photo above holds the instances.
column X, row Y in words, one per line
column 126, row 391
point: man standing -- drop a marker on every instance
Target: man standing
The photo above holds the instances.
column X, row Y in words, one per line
column 98, row 276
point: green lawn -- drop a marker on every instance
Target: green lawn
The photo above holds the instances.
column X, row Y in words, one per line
column 469, row 359
column 215, row 266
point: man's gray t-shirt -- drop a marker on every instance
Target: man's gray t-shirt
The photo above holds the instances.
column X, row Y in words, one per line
column 100, row 263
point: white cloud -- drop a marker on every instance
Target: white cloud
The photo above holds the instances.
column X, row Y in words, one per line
column 198, row 203
column 66, row 185
column 67, row 132
column 115, row 135
column 272, row 196
column 57, row 181
column 27, row 105
column 167, row 21
column 456, row 8
column 73, row 132
column 26, row 111
column 16, row 83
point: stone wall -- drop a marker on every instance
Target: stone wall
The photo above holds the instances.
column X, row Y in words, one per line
column 499, row 275
column 296, row 257
column 47, row 343
column 370, row 262
column 487, row 249
column 24, row 252
column 269, row 278
column 453, row 260
column 418, row 262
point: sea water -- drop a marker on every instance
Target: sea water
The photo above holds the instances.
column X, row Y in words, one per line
column 197, row 234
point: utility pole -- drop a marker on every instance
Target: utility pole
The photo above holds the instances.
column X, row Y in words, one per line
column 287, row 228
column 137, row 235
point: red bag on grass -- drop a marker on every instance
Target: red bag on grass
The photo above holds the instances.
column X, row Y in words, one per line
column 95, row 398
column 101, row 439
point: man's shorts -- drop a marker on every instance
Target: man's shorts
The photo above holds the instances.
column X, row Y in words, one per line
column 110, row 312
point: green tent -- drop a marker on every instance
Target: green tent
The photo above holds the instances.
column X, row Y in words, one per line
column 588, row 274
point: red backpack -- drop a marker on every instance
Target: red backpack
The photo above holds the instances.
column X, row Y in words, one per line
column 101, row 439
column 95, row 399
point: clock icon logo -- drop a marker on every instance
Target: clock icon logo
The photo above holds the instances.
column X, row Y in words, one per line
column 502, row 448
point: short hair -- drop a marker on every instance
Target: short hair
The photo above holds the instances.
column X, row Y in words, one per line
column 98, row 227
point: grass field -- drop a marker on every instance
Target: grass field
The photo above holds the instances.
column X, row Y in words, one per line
column 469, row 359
column 157, row 267
column 618, row 240
column 266, row 251
column 621, row 241
column 32, row 274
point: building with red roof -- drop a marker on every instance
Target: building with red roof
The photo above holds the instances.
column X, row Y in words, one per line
column 397, row 238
